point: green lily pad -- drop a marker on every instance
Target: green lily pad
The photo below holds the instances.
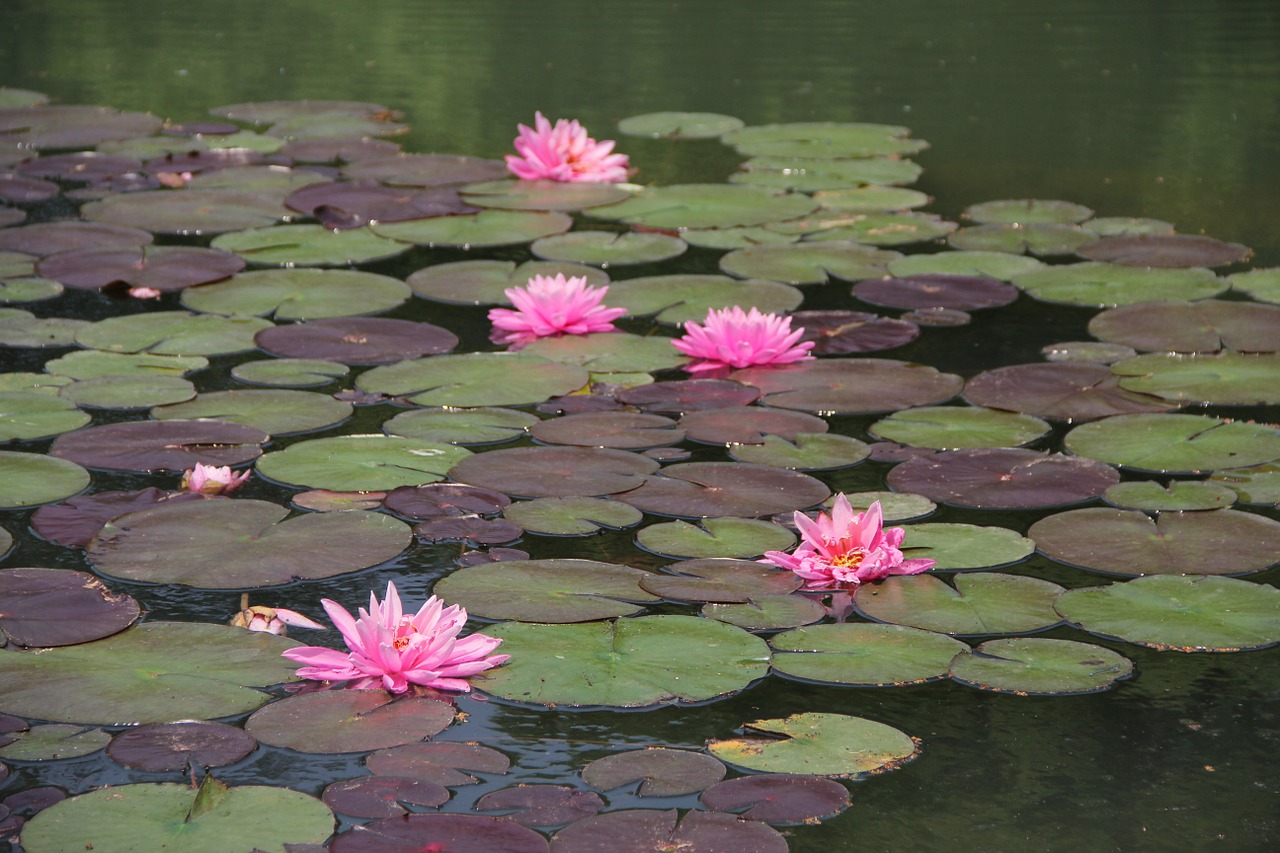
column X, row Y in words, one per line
column 705, row 206
column 1224, row 379
column 32, row 383
column 1187, row 613
column 896, row 506
column 767, row 612
column 173, row 333
column 980, row 603
column 242, row 543
column 551, row 472
column 476, row 230
column 273, row 412
column 552, row 591
column 805, row 452
column 1179, row 495
column 1258, row 484
column 954, row 427
column 155, row 445
column 715, row 537
column 483, row 425
column 677, row 125
column 1126, row 226
column 16, row 265
column 1261, row 284
column 92, row 364
column 721, row 580
column 610, row 429
column 864, row 655
column 609, row 352
column 475, row 379
column 348, row 721
column 1040, row 667
column 169, row 815
column 1181, row 444
column 999, row 265
column 871, row 198
column 30, row 415
column 361, row 462
column 735, row 237
column 1165, row 250
column 129, row 392
column 608, row 248
column 310, row 245
column 1102, row 285
column 542, row 195
column 573, row 516
column 289, row 372
column 54, row 741
column 966, row 546
column 818, row 744
column 821, row 139
column 1027, row 211
column 31, row 479
column 486, row 282
column 1071, row 391
column 298, row 294
column 809, row 263
column 1200, row 327
column 807, row 175
column 888, row 229
column 192, row 212
column 678, row 299
column 851, row 386
column 425, row 170
column 628, row 663
column 153, row 672
column 1088, row 352
column 1042, row 240
column 38, row 332
column 1129, row 542
column 28, row 290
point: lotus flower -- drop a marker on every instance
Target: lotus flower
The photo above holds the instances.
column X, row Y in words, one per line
column 144, row 293
column 212, row 480
column 549, row 307
column 564, row 153
column 844, row 550
column 272, row 620
column 735, row 338
column 392, row 650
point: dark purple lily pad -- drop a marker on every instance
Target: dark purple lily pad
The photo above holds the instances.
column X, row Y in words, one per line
column 163, row 268
column 357, row 340
column 11, row 216
column 350, row 204
column 1064, row 391
column 748, row 425
column 160, row 445
column 941, row 290
column 382, row 796
column 687, row 395
column 844, row 332
column 551, row 472
column 196, row 162
column 541, row 805
column 49, row 238
column 1165, row 250
column 1004, row 478
column 189, row 212
column 851, row 386
column 720, row 580
column 445, row 833
column 58, row 607
column 160, row 747
column 645, row 830
column 338, row 149
column 324, row 500
column 441, row 762
column 426, row 170
column 778, row 798
column 617, row 430
column 444, row 500
column 718, row 489
column 1206, row 326
column 471, row 529
column 348, row 721
column 17, row 190
column 72, row 126
column 660, row 772
column 82, row 166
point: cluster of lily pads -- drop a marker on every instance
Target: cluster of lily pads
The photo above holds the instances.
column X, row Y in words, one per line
column 185, row 284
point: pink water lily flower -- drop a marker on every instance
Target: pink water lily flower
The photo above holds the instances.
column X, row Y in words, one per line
column 733, row 338
column 212, row 480
column 548, row 307
column 844, row 550
column 272, row 620
column 564, row 153
column 144, row 293
column 392, row 650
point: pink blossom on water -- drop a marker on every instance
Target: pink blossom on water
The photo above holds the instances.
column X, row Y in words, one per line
column 733, row 338
column 144, row 293
column 844, row 550
column 548, row 307
column 564, row 153
column 272, row 620
column 212, row 480
column 392, row 650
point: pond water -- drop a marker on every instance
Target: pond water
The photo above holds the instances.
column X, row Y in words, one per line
column 1167, row 110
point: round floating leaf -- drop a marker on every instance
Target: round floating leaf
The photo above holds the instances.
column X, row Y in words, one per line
column 32, row 332
column 382, row 796
column 732, row 425
column 966, row 546
column 809, row 263
column 871, row 198
column 1126, row 226
column 1087, row 351
column 289, row 372
column 617, row 430
column 735, row 238
column 151, row 673
column 550, row 472
column 361, row 462
column 1128, row 542
column 999, row 478
column 190, row 212
column 843, row 332
column 1065, row 391
column 91, row 364
column 888, row 229
column 541, row 805
column 475, row 379
column 310, row 245
column 819, row 745
column 156, row 445
column 715, row 537
column 351, row 204
column 348, row 721
column 706, row 206
column 609, row 352
column 1179, row 613
column 998, row 265
column 678, row 299
column 485, row 425
column 896, row 506
column 955, row 428
column 721, row 580
column 1261, row 284
column 426, row 170
column 160, row 747
column 53, row 742
column 1108, row 285
column 159, row 816
column 863, row 654
column 299, row 294
column 486, row 282
column 1165, row 250
column 962, row 292
column 320, row 500
column 572, row 516
column 1150, row 496
column 629, row 663
column 28, row 290
column 687, row 395
column 851, row 386
column 357, row 340
column 1259, row 484
column 76, row 521
column 32, row 383
column 607, row 248
column 739, row 489
column 768, row 612
column 57, row 607
column 542, row 195
column 129, row 392
column 644, row 830
column 444, row 500
column 1206, row 326
column 273, row 412
column 242, row 543
column 1027, row 211
column 25, row 416
column 30, row 479
column 1182, row 444
column 477, row 230
column 661, row 772
column 173, row 333
column 1225, row 378
column 163, row 268
column 1040, row 667
column 823, row 140
column 475, row 531
column 980, row 603
column 806, row 174
column 554, row 591
column 677, row 125
column 441, row 762
column 1042, row 240
column 778, row 798
column 804, row 452
column 456, row 833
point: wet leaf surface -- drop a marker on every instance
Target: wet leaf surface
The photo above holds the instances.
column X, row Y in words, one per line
column 357, row 340
column 549, row 472
column 642, row 831
column 448, row 833
column 59, row 607
column 541, row 805
column 851, row 386
column 160, row 747
column 818, row 744
column 348, row 721
column 1040, row 667
column 980, row 603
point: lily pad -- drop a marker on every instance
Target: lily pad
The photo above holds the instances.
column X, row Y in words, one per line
column 54, row 741
column 896, row 506
column 1165, row 250
column 441, row 762
column 629, row 663
column 809, row 263
column 824, row 140
column 739, row 489
column 58, row 607
column 1179, row 495
column 475, row 379
column 1183, row 444
column 444, row 500
column 477, row 230
column 549, row 591
column 609, row 352
column 75, row 521
column 735, row 237
column 954, row 428
column 484, row 425
column 28, row 290
column 644, row 830
column 354, row 204
column 163, row 268
column 160, row 747
column 803, row 452
column 299, row 294
column 1042, row 240
column 1003, row 478
column 192, row 212
column 273, row 412
column 463, row 833
column 720, row 580
column 1126, row 226
column 348, row 721
column 30, row 479
column 687, row 395
column 851, row 386
column 1102, row 285
column 1040, row 667
column 542, row 195
column 864, row 654
column 128, row 392
column 155, row 445
column 1261, row 284
column 807, row 174
column 705, row 206
column 1225, row 378
column 310, row 245
column 617, row 430
column 818, row 744
column 486, row 282
column 1185, row 613
column 1206, row 326
column 361, row 462
column 357, row 340
column 173, row 333
column 30, row 415
column 1026, row 211
column 732, row 425
column 607, row 248
column 92, row 364
column 541, row 805
column 1258, row 484
column 679, row 299
column 938, row 290
column 678, row 125
column 1089, row 352
column 1063, row 391
column 289, row 372
column 957, row 547
column 778, row 798
column 715, row 537
column 536, row 472
column 24, row 330
column 767, row 612
column 572, row 516
column 382, row 796
column 998, row 265
column 871, row 198
column 842, row 332
column 661, row 772
column 980, row 603
column 1129, row 542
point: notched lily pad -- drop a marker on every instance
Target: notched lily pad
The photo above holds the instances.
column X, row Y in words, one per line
column 289, row 372
column 348, row 721
column 864, row 654
column 361, row 462
column 310, row 245
column 382, row 796
column 778, row 798
column 644, row 830
column 163, row 268
column 679, row 125
column 1026, row 211
column 357, row 340
column 661, row 772
column 541, row 805
column 477, row 230
column 720, row 580
column 548, row 591
column 980, row 603
column 677, row 299
column 767, row 612
column 1039, row 239
column 1165, row 250
column 809, row 263
column 441, row 762
column 938, row 290
column 730, row 425
column 1181, row 444
column 475, row 379
column 161, row 747
column 179, row 333
column 715, row 537
column 1103, row 285
column 805, row 452
column 1209, row 325
column 706, row 206
column 818, row 744
column 30, row 479
column 617, row 430
column 1224, row 378
column 54, row 741
column 75, row 522
column 843, row 332
column 572, row 516
column 461, row 832
column 608, row 248
column 739, row 489
column 957, row 547
column 957, row 428
column 851, row 386
column 58, row 607
column 481, row 425
column 1063, row 391
column 160, row 445
column 537, row 472
column 1000, row 478
column 30, row 415
column 273, row 412
column 1179, row 495
column 486, row 282
column 1041, row 667
column 299, row 294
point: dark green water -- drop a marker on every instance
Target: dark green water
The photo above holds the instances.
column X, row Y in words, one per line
column 1161, row 109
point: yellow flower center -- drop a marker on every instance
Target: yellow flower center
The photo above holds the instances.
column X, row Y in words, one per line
column 850, row 559
column 401, row 643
